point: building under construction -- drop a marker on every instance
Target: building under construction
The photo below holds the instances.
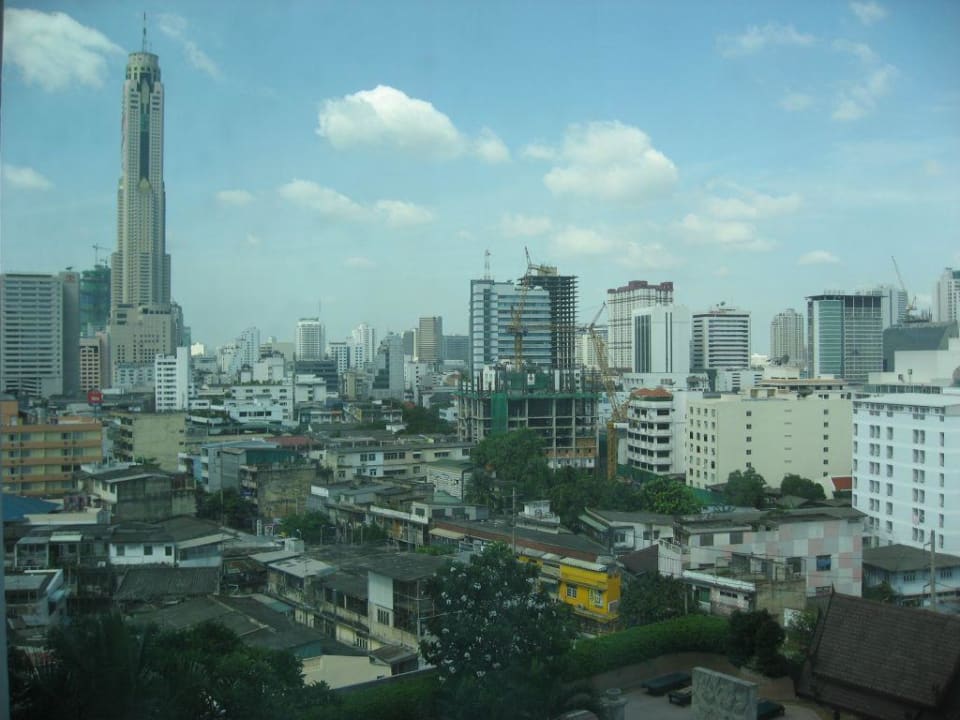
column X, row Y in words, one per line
column 563, row 312
column 494, row 401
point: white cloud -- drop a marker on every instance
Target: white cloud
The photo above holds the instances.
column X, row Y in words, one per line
column 752, row 206
column 25, row 178
column 727, row 234
column 490, row 148
column 358, row 262
column 756, row 38
column 795, row 101
column 610, row 161
column 387, row 116
column 234, row 197
column 524, row 225
column 863, row 52
column 253, row 240
column 539, row 151
column 862, row 99
column 53, row 50
column 581, row 241
column 402, row 214
column 323, row 200
column 868, row 12
column 175, row 27
column 646, row 256
column 818, row 257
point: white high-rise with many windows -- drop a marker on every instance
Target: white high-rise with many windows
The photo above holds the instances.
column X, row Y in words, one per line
column 171, row 378
column 721, row 339
column 621, row 302
column 310, row 340
column 946, row 297
column 906, row 468
column 363, row 345
column 788, row 332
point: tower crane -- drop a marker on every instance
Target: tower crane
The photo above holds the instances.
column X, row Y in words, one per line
column 911, row 302
column 96, row 253
column 618, row 410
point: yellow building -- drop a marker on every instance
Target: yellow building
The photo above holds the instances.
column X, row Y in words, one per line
column 591, row 589
column 41, row 459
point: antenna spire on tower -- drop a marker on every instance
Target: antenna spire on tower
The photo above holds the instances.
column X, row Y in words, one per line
column 486, row 265
column 144, row 32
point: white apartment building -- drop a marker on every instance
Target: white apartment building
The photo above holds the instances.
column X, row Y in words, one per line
column 269, row 370
column 279, row 394
column 492, row 309
column 906, row 468
column 363, row 346
column 774, row 432
column 247, row 350
column 946, row 296
column 171, row 380
column 31, row 334
column 737, row 380
column 788, row 334
column 657, row 422
column 660, row 341
column 339, row 352
column 310, row 339
column 720, row 339
column 621, row 302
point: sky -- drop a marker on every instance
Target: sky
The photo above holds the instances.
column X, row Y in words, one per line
column 358, row 159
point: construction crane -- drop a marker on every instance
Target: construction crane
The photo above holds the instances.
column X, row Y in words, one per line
column 911, row 303
column 618, row 410
column 517, row 327
column 539, row 269
column 96, row 254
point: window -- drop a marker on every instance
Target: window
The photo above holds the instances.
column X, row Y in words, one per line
column 148, row 549
column 596, row 598
column 823, row 562
column 736, row 537
column 706, row 540
column 889, row 508
column 572, row 591
column 945, row 573
column 889, row 489
column 889, row 526
column 168, row 550
column 121, row 550
column 360, row 642
column 909, row 577
column 383, row 616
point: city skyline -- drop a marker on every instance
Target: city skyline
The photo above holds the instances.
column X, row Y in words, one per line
column 759, row 156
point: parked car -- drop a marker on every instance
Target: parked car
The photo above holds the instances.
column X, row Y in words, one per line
column 767, row 709
column 665, row 683
column 682, row 697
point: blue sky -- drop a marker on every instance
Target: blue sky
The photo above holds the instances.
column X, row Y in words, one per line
column 364, row 155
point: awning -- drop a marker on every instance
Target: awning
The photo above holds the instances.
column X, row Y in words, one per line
column 66, row 537
column 587, row 520
column 203, row 540
column 450, row 534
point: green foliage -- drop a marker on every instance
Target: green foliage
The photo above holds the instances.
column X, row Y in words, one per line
column 883, row 592
column 436, row 549
column 412, row 698
column 693, row 633
column 104, row 668
column 669, row 497
column 570, row 491
column 745, row 489
column 653, row 598
column 512, row 460
column 497, row 639
column 799, row 635
column 311, row 527
column 425, row 421
column 227, row 506
column 755, row 639
column 801, row 487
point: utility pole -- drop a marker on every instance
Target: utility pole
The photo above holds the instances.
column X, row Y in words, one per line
column 933, row 571
column 514, row 520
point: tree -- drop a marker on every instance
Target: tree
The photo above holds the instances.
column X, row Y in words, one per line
column 668, row 497
column 497, row 639
column 755, row 639
column 424, row 421
column 653, row 598
column 514, row 459
column 745, row 489
column 799, row 635
column 227, row 506
column 801, row 487
column 311, row 527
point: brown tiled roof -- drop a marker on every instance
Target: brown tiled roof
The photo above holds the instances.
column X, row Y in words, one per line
column 883, row 661
column 648, row 393
column 843, row 482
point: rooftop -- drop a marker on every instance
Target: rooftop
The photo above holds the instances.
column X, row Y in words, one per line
column 406, row 567
column 903, row 558
column 930, row 400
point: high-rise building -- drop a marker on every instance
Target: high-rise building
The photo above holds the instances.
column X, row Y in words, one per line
column 363, row 345
column 845, row 335
column 621, row 302
column 140, row 268
column 94, row 300
column 720, row 339
column 388, row 381
column 946, row 296
column 906, row 468
column 144, row 322
column 410, row 342
column 310, row 339
column 171, row 377
column 492, row 329
column 456, row 348
column 340, row 354
column 893, row 304
column 430, row 339
column 94, row 356
column 247, row 350
column 661, row 339
column 788, row 332
column 562, row 290
column 39, row 334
